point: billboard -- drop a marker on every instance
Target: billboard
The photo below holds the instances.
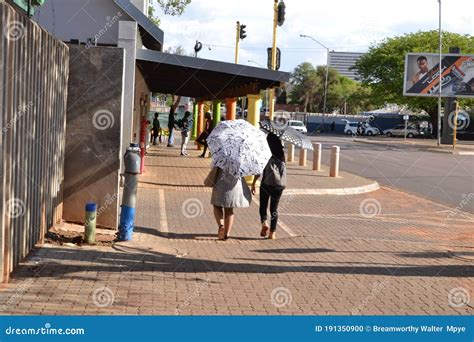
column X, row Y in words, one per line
column 422, row 75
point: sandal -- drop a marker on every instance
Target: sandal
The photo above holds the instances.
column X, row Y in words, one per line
column 264, row 230
column 221, row 233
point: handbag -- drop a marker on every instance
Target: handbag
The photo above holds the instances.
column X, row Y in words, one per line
column 212, row 177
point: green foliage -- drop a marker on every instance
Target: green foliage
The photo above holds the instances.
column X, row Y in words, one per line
column 343, row 93
column 382, row 67
column 169, row 7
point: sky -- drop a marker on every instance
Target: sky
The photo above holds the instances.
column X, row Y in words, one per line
column 341, row 25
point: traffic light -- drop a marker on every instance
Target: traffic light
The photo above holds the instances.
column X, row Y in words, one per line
column 269, row 58
column 281, row 13
column 242, row 32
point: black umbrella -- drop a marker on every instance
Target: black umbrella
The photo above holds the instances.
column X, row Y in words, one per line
column 286, row 133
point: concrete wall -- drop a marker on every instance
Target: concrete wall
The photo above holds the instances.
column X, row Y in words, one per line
column 82, row 19
column 93, row 133
column 33, row 91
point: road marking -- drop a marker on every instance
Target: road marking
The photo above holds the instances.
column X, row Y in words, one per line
column 162, row 209
column 280, row 223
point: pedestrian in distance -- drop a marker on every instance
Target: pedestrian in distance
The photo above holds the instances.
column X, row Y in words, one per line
column 171, row 123
column 205, row 133
column 273, row 183
column 185, row 124
column 156, row 128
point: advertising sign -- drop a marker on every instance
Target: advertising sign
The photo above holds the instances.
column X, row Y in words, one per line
column 422, row 75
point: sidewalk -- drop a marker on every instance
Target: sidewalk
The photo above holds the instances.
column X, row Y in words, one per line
column 383, row 252
column 465, row 148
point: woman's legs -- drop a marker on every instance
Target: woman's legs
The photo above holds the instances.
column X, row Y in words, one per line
column 275, row 200
column 219, row 215
column 228, row 220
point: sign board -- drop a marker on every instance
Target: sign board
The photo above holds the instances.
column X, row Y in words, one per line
column 406, row 117
column 422, row 75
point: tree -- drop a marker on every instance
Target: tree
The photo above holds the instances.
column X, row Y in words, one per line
column 344, row 94
column 305, row 82
column 382, row 67
column 169, row 7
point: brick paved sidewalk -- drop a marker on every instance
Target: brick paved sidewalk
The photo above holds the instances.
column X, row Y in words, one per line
column 384, row 252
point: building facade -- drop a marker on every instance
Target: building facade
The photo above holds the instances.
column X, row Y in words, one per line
column 343, row 62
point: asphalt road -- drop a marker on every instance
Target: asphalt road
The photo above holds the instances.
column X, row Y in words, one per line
column 440, row 177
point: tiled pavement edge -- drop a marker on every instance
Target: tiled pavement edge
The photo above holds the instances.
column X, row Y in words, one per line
column 384, row 252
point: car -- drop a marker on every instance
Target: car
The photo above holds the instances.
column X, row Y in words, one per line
column 351, row 128
column 298, row 125
column 399, row 131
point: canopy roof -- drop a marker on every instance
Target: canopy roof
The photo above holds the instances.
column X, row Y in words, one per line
column 204, row 79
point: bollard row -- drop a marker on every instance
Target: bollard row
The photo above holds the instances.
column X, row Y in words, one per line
column 334, row 164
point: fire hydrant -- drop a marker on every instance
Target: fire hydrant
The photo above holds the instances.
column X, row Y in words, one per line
column 132, row 163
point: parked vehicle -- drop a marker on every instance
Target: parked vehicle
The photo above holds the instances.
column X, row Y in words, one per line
column 399, row 131
column 360, row 128
column 298, row 125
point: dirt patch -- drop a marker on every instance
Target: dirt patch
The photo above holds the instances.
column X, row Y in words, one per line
column 59, row 236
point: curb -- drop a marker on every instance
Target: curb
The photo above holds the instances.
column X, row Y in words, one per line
column 337, row 191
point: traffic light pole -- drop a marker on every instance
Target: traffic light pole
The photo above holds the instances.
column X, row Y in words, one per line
column 237, row 41
column 272, row 91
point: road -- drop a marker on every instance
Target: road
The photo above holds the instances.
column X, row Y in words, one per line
column 440, row 177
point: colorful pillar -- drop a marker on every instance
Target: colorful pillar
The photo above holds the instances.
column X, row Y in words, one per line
column 195, row 121
column 200, row 120
column 253, row 117
column 254, row 106
column 216, row 112
column 231, row 108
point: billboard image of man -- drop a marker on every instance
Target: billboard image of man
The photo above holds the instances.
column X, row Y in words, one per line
column 423, row 69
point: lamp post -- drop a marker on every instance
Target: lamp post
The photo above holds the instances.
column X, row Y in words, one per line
column 440, row 77
column 327, row 73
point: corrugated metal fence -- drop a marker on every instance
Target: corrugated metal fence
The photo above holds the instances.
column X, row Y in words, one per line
column 33, row 94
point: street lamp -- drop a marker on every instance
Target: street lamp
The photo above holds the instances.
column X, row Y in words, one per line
column 266, row 90
column 327, row 73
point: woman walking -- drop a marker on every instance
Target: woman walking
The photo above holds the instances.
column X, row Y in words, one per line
column 272, row 185
column 205, row 133
column 228, row 193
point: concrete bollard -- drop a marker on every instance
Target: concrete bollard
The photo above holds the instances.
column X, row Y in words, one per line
column 291, row 153
column 334, row 170
column 317, row 157
column 303, row 157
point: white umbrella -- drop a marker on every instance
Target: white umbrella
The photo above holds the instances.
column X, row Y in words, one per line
column 239, row 148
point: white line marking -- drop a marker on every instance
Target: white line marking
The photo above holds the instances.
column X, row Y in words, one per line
column 162, row 208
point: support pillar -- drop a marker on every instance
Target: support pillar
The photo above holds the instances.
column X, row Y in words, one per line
column 200, row 120
column 253, row 117
column 231, row 108
column 195, row 121
column 253, row 112
column 216, row 112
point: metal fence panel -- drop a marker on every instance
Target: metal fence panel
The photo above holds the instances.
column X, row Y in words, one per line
column 33, row 93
